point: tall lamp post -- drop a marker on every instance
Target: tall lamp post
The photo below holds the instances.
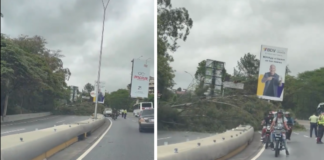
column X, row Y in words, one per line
column 99, row 68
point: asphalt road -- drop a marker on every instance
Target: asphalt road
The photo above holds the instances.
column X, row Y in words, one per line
column 122, row 141
column 171, row 137
column 38, row 123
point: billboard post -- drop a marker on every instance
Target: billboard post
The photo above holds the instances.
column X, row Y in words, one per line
column 140, row 79
column 271, row 81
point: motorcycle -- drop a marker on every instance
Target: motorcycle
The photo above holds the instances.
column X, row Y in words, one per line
column 266, row 138
column 114, row 117
column 279, row 136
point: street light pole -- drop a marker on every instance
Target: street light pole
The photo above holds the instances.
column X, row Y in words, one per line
column 99, row 68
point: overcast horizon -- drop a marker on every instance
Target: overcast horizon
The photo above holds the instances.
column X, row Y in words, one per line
column 226, row 30
column 74, row 27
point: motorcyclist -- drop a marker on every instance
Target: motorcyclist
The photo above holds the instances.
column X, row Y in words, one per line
column 266, row 121
column 279, row 120
column 115, row 114
column 290, row 123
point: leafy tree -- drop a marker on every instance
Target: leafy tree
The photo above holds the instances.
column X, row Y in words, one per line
column 129, row 87
column 31, row 75
column 173, row 24
column 179, row 89
column 119, row 99
column 88, row 87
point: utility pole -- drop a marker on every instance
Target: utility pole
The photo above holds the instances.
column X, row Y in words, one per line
column 99, row 68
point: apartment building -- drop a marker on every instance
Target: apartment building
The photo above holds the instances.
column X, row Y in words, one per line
column 151, row 85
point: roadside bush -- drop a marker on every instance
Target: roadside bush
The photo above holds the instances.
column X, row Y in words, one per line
column 84, row 109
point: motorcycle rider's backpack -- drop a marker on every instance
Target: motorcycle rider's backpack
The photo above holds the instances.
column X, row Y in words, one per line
column 282, row 120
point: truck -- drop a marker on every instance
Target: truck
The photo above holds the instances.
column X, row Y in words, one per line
column 107, row 112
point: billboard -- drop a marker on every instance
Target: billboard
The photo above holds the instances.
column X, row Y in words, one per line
column 213, row 77
column 101, row 93
column 271, row 82
column 73, row 93
column 140, row 79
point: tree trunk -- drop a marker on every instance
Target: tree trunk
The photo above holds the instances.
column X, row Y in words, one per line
column 6, row 101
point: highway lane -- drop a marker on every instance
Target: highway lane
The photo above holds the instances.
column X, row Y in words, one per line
column 122, row 141
column 171, row 137
column 38, row 123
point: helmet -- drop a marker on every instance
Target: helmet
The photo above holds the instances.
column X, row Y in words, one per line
column 280, row 111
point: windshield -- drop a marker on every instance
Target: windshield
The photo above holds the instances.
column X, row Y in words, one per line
column 146, row 105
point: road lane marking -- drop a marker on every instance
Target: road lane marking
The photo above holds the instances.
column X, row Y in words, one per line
column 259, row 154
column 305, row 136
column 96, row 143
column 13, row 131
column 60, row 121
column 164, row 138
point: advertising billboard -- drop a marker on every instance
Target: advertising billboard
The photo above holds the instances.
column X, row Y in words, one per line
column 271, row 82
column 73, row 93
column 140, row 79
column 101, row 93
column 213, row 77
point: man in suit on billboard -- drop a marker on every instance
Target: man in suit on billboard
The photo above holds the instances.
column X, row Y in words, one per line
column 100, row 96
column 272, row 81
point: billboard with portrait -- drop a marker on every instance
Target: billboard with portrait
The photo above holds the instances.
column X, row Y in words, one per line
column 271, row 82
column 101, row 93
column 140, row 79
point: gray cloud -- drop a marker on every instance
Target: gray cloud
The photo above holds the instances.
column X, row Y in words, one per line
column 75, row 28
column 226, row 30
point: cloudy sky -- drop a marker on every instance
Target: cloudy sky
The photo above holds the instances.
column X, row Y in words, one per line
column 74, row 26
column 225, row 30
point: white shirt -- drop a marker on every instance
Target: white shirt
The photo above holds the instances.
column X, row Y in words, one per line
column 279, row 121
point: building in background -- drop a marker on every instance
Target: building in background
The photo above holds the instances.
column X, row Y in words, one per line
column 151, row 85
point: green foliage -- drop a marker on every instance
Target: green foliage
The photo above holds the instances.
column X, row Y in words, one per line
column 32, row 75
column 216, row 115
column 304, row 92
column 88, row 88
column 120, row 99
column 173, row 24
column 84, row 109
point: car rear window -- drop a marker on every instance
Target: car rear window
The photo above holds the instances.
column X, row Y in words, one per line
column 148, row 112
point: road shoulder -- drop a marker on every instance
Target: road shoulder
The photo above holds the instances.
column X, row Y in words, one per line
column 251, row 150
column 75, row 150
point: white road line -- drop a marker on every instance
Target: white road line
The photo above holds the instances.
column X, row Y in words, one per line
column 306, row 136
column 60, row 121
column 95, row 144
column 13, row 131
column 164, row 138
column 259, row 154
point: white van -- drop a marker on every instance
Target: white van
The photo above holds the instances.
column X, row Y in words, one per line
column 138, row 107
column 320, row 108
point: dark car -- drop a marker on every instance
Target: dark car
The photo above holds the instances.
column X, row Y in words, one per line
column 146, row 120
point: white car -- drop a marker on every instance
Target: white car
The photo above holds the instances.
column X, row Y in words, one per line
column 136, row 112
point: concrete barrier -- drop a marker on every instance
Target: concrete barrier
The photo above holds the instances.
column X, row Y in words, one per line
column 41, row 144
column 221, row 146
column 17, row 117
